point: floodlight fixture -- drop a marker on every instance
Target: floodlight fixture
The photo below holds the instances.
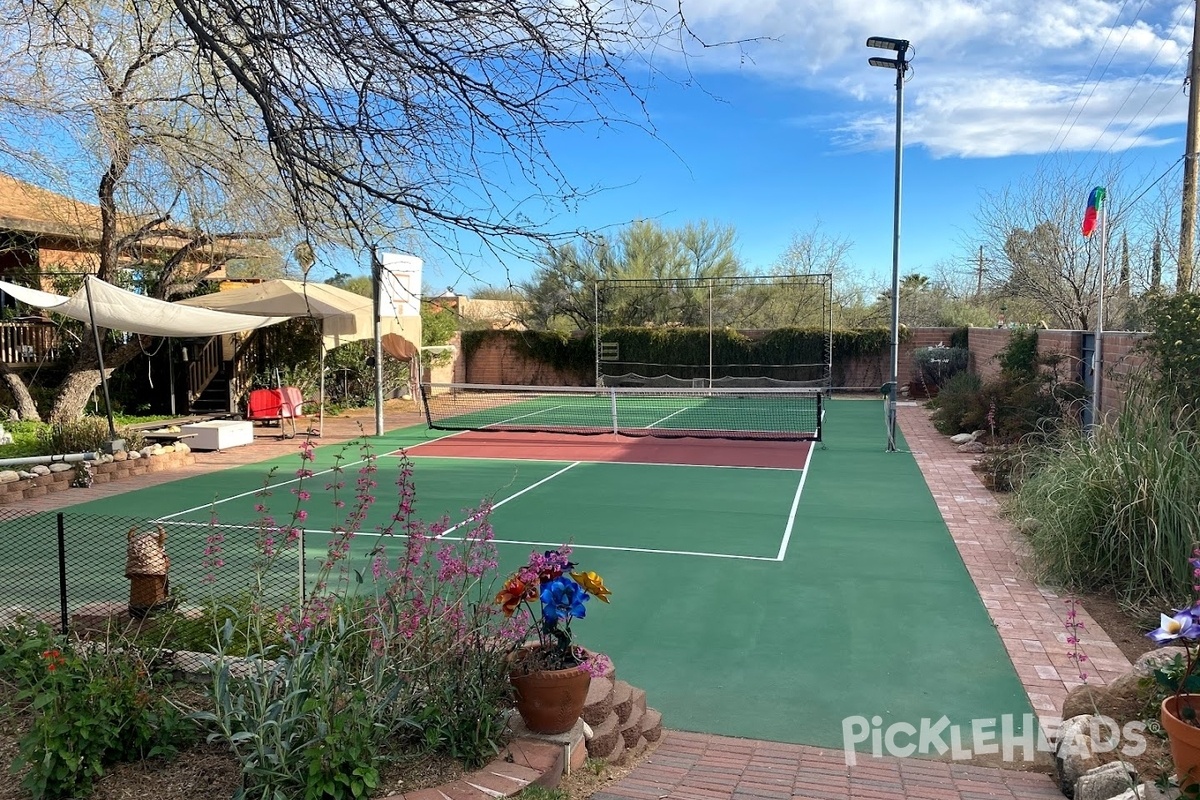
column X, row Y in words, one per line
column 889, row 63
column 887, row 43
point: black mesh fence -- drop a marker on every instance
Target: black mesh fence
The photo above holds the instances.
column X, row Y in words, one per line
column 76, row 571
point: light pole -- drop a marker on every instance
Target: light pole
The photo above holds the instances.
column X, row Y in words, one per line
column 900, row 64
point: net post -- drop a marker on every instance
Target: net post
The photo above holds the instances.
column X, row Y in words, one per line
column 612, row 393
column 425, row 392
column 64, row 618
column 820, row 416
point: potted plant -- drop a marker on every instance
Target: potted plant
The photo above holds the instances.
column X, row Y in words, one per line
column 550, row 673
column 1179, row 710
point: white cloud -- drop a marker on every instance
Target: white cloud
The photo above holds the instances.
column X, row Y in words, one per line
column 991, row 77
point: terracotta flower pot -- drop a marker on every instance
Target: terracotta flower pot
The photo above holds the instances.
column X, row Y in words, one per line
column 550, row 701
column 1184, row 739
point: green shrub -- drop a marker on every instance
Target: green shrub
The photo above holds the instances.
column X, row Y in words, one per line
column 936, row 365
column 84, row 435
column 1118, row 510
column 93, row 704
column 959, row 404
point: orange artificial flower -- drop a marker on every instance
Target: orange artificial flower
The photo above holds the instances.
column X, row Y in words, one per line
column 514, row 593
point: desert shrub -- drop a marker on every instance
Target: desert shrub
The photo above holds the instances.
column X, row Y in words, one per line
column 959, row 404
column 1117, row 509
column 936, row 365
column 1030, row 396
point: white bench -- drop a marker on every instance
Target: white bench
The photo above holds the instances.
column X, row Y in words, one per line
column 219, row 434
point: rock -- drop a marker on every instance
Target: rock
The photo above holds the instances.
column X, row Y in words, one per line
column 61, row 467
column 5, row 436
column 1147, row 662
column 1106, row 782
column 147, row 451
column 25, row 475
column 1073, row 756
column 40, row 469
column 9, row 476
column 972, row 447
column 962, row 438
column 120, row 455
column 181, row 447
column 1126, row 696
column 1082, row 700
column 134, row 454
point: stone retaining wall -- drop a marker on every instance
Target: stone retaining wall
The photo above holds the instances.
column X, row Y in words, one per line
column 38, row 480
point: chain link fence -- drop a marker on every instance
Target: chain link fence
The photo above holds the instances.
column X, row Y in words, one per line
column 76, row 572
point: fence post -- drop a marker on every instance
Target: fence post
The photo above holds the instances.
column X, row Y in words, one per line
column 62, row 575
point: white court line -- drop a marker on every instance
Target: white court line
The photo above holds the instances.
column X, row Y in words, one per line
column 668, row 416
column 791, row 523
column 548, row 545
column 618, row 463
column 343, row 467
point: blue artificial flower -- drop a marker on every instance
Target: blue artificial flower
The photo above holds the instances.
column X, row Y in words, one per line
column 563, row 598
column 1180, row 626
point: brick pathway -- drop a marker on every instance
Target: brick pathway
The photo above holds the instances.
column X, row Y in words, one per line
column 1031, row 624
column 697, row 766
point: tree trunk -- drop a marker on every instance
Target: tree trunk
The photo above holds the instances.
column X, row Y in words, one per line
column 26, row 408
column 84, row 377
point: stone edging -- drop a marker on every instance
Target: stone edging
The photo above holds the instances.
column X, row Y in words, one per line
column 49, row 478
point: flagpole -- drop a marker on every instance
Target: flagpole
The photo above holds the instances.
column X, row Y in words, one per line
column 1098, row 349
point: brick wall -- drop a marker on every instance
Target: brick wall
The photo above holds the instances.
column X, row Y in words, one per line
column 1119, row 357
column 871, row 372
column 1120, row 362
column 495, row 362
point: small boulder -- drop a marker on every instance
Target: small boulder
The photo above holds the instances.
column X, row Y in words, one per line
column 962, row 438
column 1074, row 755
column 1103, row 783
column 1147, row 662
column 972, row 447
column 9, row 476
column 40, row 469
column 61, row 467
column 182, row 447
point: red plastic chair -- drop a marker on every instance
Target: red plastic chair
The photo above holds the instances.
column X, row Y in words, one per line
column 276, row 405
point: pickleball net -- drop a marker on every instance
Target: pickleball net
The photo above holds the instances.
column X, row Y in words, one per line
column 722, row 413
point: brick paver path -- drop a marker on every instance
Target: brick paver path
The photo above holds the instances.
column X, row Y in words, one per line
column 1030, row 621
column 697, row 766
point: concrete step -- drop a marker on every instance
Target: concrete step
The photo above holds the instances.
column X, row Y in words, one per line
column 631, row 729
column 652, row 725
column 622, row 700
column 599, row 703
column 606, row 737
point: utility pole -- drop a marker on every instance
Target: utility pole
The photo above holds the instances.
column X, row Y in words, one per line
column 1187, row 227
column 979, row 275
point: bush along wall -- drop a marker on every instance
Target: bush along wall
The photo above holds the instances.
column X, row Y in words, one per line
column 684, row 352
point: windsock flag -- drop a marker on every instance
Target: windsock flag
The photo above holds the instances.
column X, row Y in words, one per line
column 1095, row 201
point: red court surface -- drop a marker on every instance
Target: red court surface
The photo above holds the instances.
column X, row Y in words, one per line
column 606, row 448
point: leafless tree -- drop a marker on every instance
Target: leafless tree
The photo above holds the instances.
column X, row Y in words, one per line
column 104, row 93
column 430, row 114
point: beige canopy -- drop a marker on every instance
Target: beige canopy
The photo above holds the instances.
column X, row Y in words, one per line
column 345, row 316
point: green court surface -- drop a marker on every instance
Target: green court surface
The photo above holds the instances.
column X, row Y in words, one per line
column 764, row 603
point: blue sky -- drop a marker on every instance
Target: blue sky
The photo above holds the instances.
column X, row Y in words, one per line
column 796, row 131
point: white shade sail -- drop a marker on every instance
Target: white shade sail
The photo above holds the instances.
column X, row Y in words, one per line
column 345, row 316
column 120, row 310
